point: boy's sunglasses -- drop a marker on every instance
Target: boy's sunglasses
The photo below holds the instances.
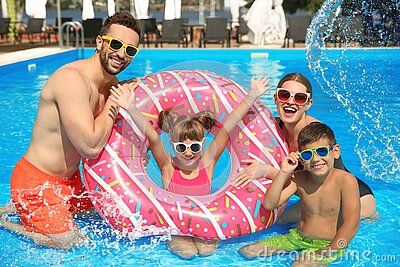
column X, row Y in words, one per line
column 321, row 151
column 116, row 45
column 181, row 147
column 284, row 95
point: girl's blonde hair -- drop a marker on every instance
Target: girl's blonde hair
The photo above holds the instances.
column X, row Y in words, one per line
column 185, row 127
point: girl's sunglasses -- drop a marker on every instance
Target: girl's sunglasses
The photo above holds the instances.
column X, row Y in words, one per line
column 116, row 45
column 321, row 151
column 181, row 147
column 284, row 95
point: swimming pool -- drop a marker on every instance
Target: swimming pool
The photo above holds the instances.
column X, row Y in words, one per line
column 375, row 242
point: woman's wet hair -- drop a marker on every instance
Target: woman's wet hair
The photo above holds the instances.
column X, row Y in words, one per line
column 120, row 18
column 186, row 127
column 313, row 133
column 297, row 77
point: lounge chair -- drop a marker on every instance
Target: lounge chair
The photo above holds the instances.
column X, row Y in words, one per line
column 4, row 27
column 349, row 30
column 172, row 32
column 297, row 29
column 215, row 32
column 241, row 29
column 91, row 29
column 148, row 28
column 63, row 20
column 34, row 27
column 356, row 30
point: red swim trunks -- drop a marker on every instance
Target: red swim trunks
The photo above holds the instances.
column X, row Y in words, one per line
column 45, row 202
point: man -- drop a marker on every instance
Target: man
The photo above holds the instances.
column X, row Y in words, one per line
column 74, row 120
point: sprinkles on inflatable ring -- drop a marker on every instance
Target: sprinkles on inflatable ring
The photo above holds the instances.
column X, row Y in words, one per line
column 138, row 202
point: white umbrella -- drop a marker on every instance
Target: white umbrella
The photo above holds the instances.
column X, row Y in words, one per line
column 227, row 4
column 178, row 4
column 29, row 8
column 169, row 12
column 36, row 9
column 281, row 25
column 259, row 21
column 111, row 7
column 87, row 10
column 141, row 7
column 172, row 9
column 40, row 9
column 4, row 8
column 234, row 7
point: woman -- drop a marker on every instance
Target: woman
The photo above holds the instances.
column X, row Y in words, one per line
column 293, row 98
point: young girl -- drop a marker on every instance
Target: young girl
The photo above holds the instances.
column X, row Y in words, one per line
column 191, row 171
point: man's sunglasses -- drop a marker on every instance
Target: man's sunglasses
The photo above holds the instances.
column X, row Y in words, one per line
column 181, row 147
column 284, row 95
column 321, row 151
column 116, row 45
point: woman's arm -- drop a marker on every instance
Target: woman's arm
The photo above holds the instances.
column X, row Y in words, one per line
column 213, row 152
column 255, row 170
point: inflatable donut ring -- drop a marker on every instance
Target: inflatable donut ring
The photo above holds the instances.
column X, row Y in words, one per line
column 128, row 199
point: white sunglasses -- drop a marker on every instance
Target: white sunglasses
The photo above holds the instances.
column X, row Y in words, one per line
column 181, row 147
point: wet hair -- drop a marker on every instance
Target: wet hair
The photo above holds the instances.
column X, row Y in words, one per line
column 313, row 132
column 120, row 18
column 297, row 77
column 185, row 127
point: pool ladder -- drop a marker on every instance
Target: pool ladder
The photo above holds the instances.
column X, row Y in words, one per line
column 73, row 26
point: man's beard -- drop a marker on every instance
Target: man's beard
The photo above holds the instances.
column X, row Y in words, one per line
column 104, row 62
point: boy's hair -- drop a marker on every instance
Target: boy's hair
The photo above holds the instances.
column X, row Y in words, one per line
column 185, row 127
column 120, row 18
column 314, row 132
column 297, row 77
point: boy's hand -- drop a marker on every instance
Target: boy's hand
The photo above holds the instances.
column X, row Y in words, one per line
column 259, row 86
column 290, row 162
column 122, row 94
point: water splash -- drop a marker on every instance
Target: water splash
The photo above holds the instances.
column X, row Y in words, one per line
column 362, row 80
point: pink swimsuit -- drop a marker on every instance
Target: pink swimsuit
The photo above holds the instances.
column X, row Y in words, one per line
column 198, row 186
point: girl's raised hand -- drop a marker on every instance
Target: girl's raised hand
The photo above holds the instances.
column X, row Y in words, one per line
column 259, row 86
column 122, row 95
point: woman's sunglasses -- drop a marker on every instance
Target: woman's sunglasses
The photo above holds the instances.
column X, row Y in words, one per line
column 181, row 147
column 116, row 45
column 284, row 95
column 321, row 151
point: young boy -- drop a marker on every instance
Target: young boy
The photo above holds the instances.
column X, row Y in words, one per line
column 329, row 199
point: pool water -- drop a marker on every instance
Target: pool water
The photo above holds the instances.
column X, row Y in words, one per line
column 376, row 243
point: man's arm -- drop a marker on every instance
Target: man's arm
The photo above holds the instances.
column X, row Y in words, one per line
column 350, row 210
column 72, row 95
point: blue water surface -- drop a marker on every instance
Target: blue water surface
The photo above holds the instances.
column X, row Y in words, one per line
column 376, row 243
